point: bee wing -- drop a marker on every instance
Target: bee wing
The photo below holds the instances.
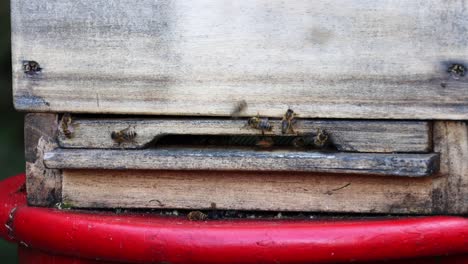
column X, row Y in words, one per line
column 125, row 130
column 284, row 126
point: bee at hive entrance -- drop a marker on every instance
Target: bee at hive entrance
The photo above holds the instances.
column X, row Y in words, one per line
column 312, row 141
column 125, row 135
column 288, row 122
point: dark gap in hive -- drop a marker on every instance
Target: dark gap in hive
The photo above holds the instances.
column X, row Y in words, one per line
column 249, row 141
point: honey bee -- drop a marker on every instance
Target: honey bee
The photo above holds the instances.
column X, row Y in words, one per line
column 288, row 122
column 196, row 216
column 31, row 67
column 262, row 124
column 239, row 108
column 321, row 139
column 304, row 140
column 457, row 70
column 266, row 142
column 299, row 142
column 124, row 135
column 66, row 125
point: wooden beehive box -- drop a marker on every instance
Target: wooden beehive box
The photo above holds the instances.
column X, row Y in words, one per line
column 133, row 104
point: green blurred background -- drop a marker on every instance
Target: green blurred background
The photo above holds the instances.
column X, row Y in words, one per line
column 11, row 122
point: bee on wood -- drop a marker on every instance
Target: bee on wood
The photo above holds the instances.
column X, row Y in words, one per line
column 239, row 108
column 124, row 135
column 196, row 216
column 264, row 143
column 31, row 67
column 288, row 122
column 262, row 124
column 66, row 125
column 457, row 70
column 321, row 139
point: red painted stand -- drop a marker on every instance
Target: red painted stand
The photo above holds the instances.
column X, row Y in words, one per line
column 54, row 236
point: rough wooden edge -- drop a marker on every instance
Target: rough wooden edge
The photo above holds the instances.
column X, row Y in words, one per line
column 444, row 193
column 391, row 53
column 345, row 135
column 265, row 191
column 450, row 190
column 43, row 185
column 411, row 165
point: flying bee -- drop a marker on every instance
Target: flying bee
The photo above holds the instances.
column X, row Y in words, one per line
column 264, row 143
column 288, row 122
column 239, row 108
column 31, row 67
column 262, row 124
column 457, row 70
column 321, row 139
column 124, row 135
column 196, row 216
column 66, row 125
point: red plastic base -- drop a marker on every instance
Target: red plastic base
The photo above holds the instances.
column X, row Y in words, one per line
column 28, row 256
column 145, row 238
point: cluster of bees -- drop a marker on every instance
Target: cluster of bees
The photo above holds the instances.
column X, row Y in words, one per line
column 125, row 135
column 318, row 140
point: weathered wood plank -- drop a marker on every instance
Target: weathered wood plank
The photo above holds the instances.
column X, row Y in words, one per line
column 43, row 185
column 355, row 136
column 444, row 193
column 414, row 165
column 329, row 59
column 288, row 191
column 451, row 188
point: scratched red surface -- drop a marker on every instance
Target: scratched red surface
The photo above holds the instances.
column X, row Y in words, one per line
column 74, row 236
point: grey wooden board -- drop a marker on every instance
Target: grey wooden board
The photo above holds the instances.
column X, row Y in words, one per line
column 43, row 186
column 331, row 59
column 359, row 136
column 272, row 191
column 245, row 160
column 451, row 190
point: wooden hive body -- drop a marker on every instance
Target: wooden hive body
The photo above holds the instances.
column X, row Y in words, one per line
column 386, row 80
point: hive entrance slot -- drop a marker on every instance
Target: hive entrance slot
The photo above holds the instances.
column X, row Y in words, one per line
column 249, row 141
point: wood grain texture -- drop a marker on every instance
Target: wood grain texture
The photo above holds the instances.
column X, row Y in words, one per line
column 413, row 165
column 451, row 189
column 444, row 193
column 43, row 185
column 37, row 126
column 328, row 59
column 246, row 191
column 354, row 136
